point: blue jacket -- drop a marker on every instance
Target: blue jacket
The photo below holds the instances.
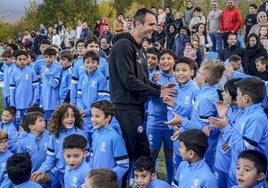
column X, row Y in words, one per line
column 24, row 88
column 250, row 131
column 196, row 175
column 156, row 183
column 55, row 148
column 65, row 83
column 180, row 42
column 157, row 110
column 109, row 151
column 3, row 160
column 74, row 178
column 5, row 74
column 11, row 131
column 36, row 148
column 50, row 81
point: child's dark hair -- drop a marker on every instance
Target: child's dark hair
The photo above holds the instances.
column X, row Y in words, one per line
column 55, row 122
column 190, row 62
column 19, row 168
column 144, row 163
column 230, row 86
column 81, row 40
column 75, row 141
column 213, row 69
column 196, row 140
column 31, row 54
column 67, row 54
column 103, row 178
column 13, row 46
column 167, row 51
column 259, row 159
column 91, row 54
column 3, row 134
column 35, row 109
column 45, row 41
column 91, row 39
column 19, row 53
column 152, row 51
column 50, row 51
column 30, row 119
column 104, row 105
column 6, row 54
column 11, row 110
column 234, row 58
column 254, row 87
column 263, row 60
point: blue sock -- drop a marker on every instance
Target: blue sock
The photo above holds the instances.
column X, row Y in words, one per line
column 170, row 169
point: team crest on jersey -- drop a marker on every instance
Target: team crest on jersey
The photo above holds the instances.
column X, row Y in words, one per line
column 45, row 146
column 140, row 129
column 187, row 100
column 3, row 166
column 93, row 83
column 242, row 128
column 195, row 183
column 74, row 181
column 27, row 77
column 103, row 146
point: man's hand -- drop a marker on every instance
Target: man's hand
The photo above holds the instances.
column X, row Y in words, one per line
column 170, row 101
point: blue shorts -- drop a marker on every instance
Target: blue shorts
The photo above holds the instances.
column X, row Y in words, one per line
column 156, row 136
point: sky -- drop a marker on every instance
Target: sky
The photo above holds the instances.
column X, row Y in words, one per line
column 12, row 10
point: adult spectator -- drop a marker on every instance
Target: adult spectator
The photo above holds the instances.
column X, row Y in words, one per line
column 43, row 30
column 253, row 50
column 204, row 39
column 78, row 29
column 107, row 34
column 159, row 34
column 129, row 83
column 261, row 20
column 251, row 19
column 37, row 42
column 169, row 18
column 170, row 38
column 198, row 18
column 178, row 22
column 69, row 36
column 105, row 46
column 96, row 30
column 104, row 23
column 118, row 24
column 180, row 41
column 161, row 16
column 188, row 14
column 213, row 26
column 85, row 31
column 231, row 49
column 230, row 21
column 264, row 7
column 56, row 38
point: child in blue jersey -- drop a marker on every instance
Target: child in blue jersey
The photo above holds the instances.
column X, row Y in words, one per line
column 65, row 121
column 152, row 60
column 31, row 58
column 157, row 131
column 75, row 151
column 194, row 171
column 35, row 140
column 108, row 147
column 251, row 169
column 40, row 61
column 5, row 73
column 78, row 69
column 145, row 176
column 207, row 77
column 19, row 168
column 249, row 131
column 183, row 102
column 4, row 154
column 92, row 43
column 50, row 83
column 223, row 150
column 101, row 177
column 7, row 124
column 92, row 86
column 24, row 86
column 66, row 61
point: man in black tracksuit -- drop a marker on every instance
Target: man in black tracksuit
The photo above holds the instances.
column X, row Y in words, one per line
column 129, row 83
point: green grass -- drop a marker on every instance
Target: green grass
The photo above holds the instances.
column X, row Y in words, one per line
column 161, row 166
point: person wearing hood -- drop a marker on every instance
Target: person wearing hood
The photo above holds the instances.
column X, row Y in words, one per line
column 130, row 85
column 253, row 50
column 262, row 20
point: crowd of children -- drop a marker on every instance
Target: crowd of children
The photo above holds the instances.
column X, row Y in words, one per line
column 58, row 128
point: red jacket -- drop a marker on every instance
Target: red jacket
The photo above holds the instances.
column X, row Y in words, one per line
column 230, row 20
